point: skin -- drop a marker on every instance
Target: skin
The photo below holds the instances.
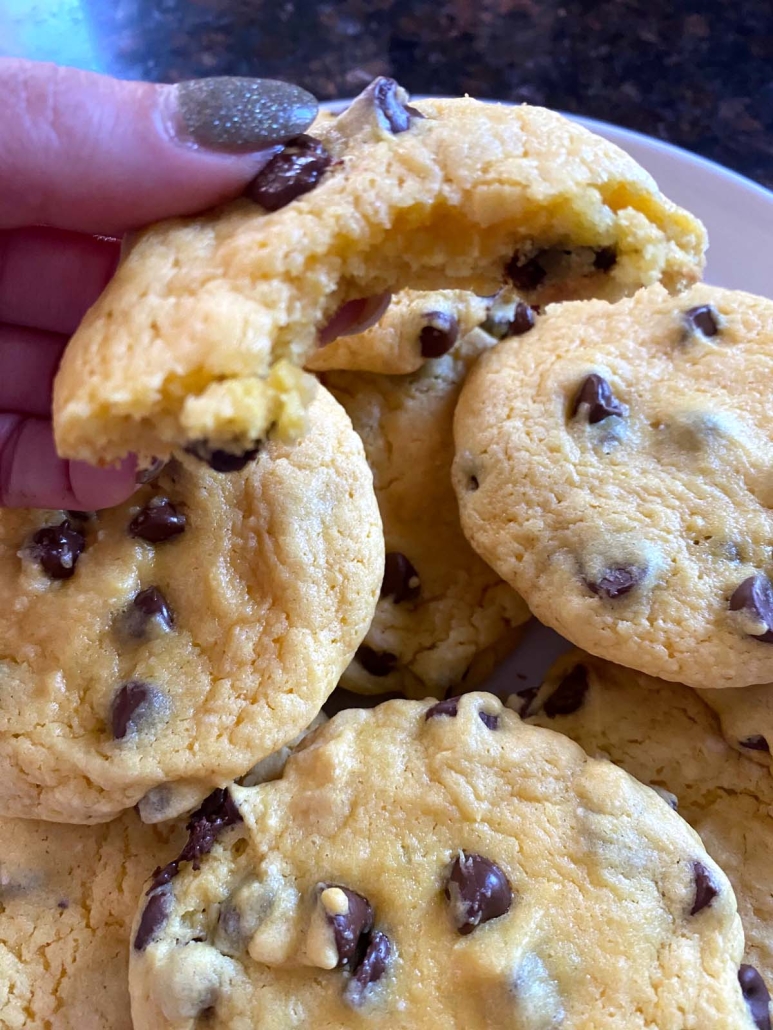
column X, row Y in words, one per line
column 85, row 159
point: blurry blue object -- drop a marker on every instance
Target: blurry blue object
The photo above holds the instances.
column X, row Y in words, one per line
column 48, row 30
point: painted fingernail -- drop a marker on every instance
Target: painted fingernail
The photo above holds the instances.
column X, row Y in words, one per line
column 237, row 114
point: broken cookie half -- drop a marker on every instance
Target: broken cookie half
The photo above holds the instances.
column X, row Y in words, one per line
column 199, row 340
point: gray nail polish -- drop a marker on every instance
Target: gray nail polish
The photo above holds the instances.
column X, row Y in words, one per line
column 240, row 114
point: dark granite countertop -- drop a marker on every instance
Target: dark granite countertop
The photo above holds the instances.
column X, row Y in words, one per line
column 698, row 73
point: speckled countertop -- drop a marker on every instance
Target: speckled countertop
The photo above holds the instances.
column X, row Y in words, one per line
column 699, row 74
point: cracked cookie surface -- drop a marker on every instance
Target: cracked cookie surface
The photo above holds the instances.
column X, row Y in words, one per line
column 68, row 895
column 443, row 612
column 441, row 865
column 614, row 465
column 159, row 649
column 199, row 336
column 665, row 736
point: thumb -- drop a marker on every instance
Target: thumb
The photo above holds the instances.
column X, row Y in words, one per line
column 91, row 153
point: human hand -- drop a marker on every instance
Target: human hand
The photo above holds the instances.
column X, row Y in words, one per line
column 84, row 159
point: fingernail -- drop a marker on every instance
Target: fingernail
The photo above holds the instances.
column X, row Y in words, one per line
column 237, row 114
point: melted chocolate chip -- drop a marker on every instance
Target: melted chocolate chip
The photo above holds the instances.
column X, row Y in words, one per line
column 605, row 258
column 705, row 888
column 223, row 461
column 755, row 743
column 158, row 521
column 377, row 663
column 293, row 172
column 703, row 319
column 524, row 319
column 370, row 969
column 491, row 722
column 569, row 695
column 397, row 115
column 438, row 337
column 216, row 812
column 154, row 916
column 478, row 891
column 526, row 276
column 148, row 607
column 596, row 400
column 131, row 705
column 755, row 595
column 617, row 581
column 57, row 549
column 756, row 996
column 448, row 707
column 350, row 928
column 401, row 580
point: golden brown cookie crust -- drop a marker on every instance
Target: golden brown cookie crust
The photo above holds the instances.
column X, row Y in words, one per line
column 601, row 912
column 271, row 585
column 630, row 520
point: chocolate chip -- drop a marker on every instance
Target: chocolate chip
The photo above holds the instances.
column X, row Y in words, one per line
column 154, row 916
column 524, row 319
column 705, row 888
column 448, row 707
column 491, row 722
column 617, row 581
column 478, row 891
column 401, row 580
column 703, row 319
column 472, row 483
column 755, row 595
column 158, row 521
column 352, row 926
column 755, row 743
column 596, row 400
column 132, row 704
column 216, row 812
column 439, row 335
column 63, row 904
column 527, row 275
column 397, row 115
column 756, row 996
column 370, row 969
column 149, row 608
column 605, row 258
column 569, row 695
column 293, row 172
column 377, row 663
column 57, row 549
column 223, row 461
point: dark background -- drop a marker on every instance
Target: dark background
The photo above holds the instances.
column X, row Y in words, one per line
column 697, row 74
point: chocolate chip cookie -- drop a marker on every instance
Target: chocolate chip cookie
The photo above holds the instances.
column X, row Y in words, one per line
column 663, row 734
column 442, row 609
column 68, row 895
column 159, row 649
column 198, row 338
column 439, row 865
column 614, row 465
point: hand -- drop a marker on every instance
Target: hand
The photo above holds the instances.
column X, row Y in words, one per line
column 84, row 159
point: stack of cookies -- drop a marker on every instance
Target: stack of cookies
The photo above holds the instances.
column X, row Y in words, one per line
column 555, row 419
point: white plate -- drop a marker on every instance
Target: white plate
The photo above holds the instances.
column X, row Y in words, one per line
column 739, row 217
